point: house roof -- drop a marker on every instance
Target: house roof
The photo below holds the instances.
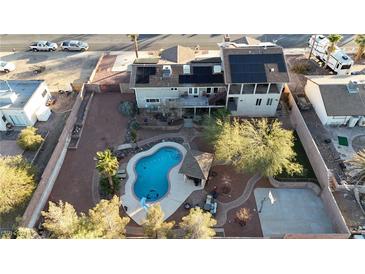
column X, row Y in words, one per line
column 22, row 89
column 197, row 164
column 264, row 63
column 201, row 75
column 178, row 54
column 248, row 41
column 337, row 100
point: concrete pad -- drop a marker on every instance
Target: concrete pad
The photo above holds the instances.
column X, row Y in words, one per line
column 293, row 211
column 9, row 148
column 126, row 58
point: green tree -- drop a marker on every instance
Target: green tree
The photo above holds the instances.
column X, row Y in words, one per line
column 61, row 220
column 257, row 146
column 357, row 167
column 106, row 221
column 334, row 39
column 103, row 221
column 107, row 164
column 198, row 224
column 213, row 125
column 26, row 233
column 16, row 182
column 29, row 139
column 360, row 41
column 134, row 39
column 154, row 226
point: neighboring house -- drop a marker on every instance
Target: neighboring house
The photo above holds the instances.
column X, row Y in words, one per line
column 246, row 79
column 338, row 100
column 23, row 102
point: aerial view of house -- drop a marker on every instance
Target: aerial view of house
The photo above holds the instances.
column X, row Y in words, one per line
column 185, row 136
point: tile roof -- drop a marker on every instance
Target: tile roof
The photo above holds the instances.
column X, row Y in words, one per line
column 178, row 54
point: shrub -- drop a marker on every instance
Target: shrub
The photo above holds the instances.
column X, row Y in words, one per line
column 105, row 189
column 243, row 215
column 135, row 125
column 301, row 68
column 134, row 135
column 29, row 139
column 127, row 109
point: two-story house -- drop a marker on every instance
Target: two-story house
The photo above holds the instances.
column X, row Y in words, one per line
column 245, row 79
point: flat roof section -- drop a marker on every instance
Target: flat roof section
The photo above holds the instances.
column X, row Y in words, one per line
column 24, row 89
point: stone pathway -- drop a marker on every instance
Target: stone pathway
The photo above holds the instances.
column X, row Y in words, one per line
column 226, row 207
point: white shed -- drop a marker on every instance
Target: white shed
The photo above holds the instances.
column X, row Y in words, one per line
column 21, row 100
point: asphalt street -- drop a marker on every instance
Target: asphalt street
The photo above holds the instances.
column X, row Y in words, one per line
column 117, row 42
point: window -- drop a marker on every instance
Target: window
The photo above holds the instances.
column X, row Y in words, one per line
column 4, row 119
column 248, row 88
column 258, row 102
column 261, row 88
column 44, row 93
column 215, row 90
column 152, row 100
column 346, row 67
column 269, row 102
column 208, row 90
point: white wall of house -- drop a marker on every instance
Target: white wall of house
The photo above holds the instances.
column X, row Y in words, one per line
column 256, row 105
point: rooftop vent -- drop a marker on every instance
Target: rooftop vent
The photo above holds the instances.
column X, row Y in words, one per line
column 353, row 86
column 217, row 69
column 166, row 71
column 345, row 57
column 186, row 69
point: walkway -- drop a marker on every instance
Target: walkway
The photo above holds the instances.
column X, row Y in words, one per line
column 226, row 207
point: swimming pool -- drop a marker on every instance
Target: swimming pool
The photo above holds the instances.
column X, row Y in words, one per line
column 152, row 173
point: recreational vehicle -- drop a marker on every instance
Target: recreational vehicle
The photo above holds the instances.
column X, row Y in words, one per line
column 339, row 61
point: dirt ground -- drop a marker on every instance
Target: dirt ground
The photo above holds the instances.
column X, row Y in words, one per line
column 61, row 68
column 104, row 127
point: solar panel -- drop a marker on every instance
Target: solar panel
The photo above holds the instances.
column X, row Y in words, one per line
column 251, row 68
column 143, row 74
column 201, row 75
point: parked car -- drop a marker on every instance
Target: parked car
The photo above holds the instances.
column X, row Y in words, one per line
column 74, row 45
column 43, row 46
column 6, row 66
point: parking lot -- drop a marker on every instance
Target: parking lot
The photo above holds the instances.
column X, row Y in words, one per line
column 60, row 68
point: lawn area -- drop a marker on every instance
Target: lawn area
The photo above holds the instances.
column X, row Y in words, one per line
column 308, row 173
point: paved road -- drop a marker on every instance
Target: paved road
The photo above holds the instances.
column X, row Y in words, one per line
column 115, row 42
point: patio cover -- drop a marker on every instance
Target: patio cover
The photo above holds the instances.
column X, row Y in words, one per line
column 197, row 164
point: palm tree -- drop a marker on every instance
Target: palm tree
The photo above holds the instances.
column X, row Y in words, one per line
column 334, row 39
column 360, row 41
column 357, row 166
column 107, row 165
column 134, row 39
column 312, row 47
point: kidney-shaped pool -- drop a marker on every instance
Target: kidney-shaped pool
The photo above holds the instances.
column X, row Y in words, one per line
column 152, row 173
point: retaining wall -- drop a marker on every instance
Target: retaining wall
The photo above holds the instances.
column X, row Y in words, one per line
column 50, row 173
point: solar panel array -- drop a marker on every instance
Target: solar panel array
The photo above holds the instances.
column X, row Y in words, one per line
column 143, row 74
column 251, row 68
column 202, row 75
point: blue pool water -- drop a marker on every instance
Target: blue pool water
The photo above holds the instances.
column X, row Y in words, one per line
column 152, row 173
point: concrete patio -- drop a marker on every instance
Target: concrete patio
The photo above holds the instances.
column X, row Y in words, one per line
column 294, row 211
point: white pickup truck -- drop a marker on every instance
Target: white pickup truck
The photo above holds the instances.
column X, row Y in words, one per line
column 43, row 46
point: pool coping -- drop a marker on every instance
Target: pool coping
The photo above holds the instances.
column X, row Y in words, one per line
column 180, row 187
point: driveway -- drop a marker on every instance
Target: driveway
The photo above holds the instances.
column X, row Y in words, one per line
column 104, row 127
column 297, row 211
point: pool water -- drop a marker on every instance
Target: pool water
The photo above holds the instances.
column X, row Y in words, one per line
column 152, row 173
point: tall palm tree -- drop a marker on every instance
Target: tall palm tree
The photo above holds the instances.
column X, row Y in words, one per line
column 107, row 165
column 334, row 39
column 134, row 39
column 360, row 41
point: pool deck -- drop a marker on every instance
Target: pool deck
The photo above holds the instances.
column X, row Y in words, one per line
column 180, row 188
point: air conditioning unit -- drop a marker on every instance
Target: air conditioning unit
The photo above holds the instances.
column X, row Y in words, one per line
column 186, row 69
column 361, row 122
column 353, row 86
column 217, row 69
